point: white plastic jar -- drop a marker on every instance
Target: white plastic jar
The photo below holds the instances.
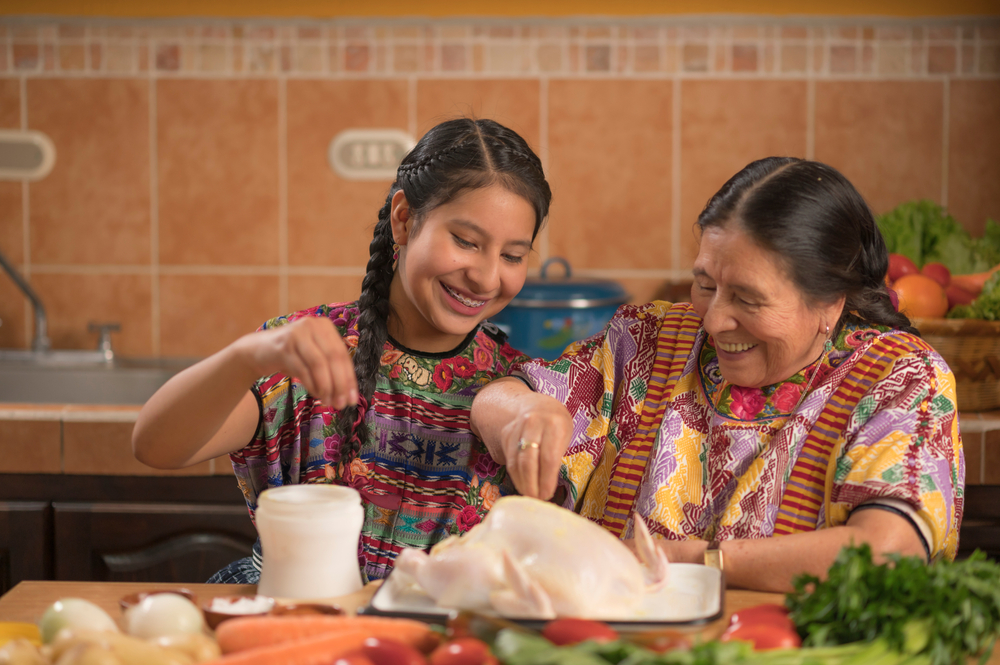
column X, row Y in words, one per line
column 309, row 537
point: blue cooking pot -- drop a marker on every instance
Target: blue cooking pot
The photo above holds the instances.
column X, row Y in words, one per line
column 551, row 312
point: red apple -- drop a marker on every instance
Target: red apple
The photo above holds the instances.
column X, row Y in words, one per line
column 900, row 265
column 938, row 272
column 958, row 296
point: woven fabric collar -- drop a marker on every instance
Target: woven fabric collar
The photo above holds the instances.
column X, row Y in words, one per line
column 778, row 399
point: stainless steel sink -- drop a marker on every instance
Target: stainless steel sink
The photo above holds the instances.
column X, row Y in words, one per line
column 82, row 377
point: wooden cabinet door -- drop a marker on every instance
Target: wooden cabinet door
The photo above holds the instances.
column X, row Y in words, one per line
column 25, row 542
column 148, row 542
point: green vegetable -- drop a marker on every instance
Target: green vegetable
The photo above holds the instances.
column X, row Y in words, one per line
column 923, row 232
column 517, row 648
column 944, row 611
column 986, row 306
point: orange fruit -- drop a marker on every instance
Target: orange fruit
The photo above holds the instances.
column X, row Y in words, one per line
column 920, row 297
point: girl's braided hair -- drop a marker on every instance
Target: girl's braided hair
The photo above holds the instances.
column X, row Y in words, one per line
column 454, row 157
column 820, row 227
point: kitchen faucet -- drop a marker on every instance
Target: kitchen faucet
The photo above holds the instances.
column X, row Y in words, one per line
column 40, row 342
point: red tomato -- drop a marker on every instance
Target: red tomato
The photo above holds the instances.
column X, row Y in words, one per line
column 938, row 272
column 356, row 658
column 463, row 651
column 570, row 631
column 763, row 636
column 900, row 265
column 958, row 296
column 391, row 652
column 776, row 615
column 667, row 642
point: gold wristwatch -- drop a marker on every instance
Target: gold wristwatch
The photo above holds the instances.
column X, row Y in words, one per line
column 713, row 555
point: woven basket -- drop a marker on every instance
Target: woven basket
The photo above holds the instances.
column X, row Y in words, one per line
column 971, row 348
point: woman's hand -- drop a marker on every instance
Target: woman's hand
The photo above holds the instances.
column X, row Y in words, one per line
column 532, row 444
column 309, row 349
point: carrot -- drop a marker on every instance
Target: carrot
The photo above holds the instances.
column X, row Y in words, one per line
column 313, row 650
column 974, row 283
column 253, row 632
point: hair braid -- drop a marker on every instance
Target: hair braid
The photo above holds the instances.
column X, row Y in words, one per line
column 453, row 157
column 373, row 332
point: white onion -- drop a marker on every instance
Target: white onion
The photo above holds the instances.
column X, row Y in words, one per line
column 163, row 614
column 73, row 613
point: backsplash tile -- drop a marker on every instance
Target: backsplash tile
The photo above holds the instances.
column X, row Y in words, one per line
column 217, row 166
column 192, row 181
column 974, row 152
column 886, row 135
column 94, row 207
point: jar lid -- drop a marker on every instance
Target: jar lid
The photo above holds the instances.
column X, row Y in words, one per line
column 568, row 291
column 295, row 497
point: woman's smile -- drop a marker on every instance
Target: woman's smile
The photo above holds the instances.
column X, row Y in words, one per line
column 733, row 349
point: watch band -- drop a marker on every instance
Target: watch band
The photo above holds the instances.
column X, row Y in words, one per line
column 713, row 555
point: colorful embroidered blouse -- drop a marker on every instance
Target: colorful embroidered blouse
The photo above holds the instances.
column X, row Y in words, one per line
column 423, row 475
column 658, row 430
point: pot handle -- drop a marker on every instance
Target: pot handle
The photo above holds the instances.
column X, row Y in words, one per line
column 555, row 259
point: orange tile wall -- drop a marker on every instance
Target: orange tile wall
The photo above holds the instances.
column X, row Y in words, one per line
column 191, row 197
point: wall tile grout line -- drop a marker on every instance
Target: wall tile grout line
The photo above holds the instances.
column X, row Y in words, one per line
column 945, row 139
column 544, row 248
column 283, row 257
column 25, row 215
column 675, row 176
column 811, row 119
column 154, row 224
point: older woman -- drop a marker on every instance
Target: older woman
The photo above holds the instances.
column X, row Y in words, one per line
column 788, row 410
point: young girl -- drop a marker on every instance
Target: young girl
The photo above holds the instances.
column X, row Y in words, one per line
column 376, row 393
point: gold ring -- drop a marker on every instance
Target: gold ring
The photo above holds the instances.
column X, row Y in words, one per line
column 524, row 444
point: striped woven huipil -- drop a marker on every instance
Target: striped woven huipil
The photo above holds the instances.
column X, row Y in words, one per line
column 422, row 475
column 658, row 430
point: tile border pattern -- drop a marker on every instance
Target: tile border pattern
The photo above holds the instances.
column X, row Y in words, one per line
column 654, row 47
column 677, row 49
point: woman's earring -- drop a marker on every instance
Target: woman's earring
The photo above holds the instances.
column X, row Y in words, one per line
column 829, row 343
column 395, row 251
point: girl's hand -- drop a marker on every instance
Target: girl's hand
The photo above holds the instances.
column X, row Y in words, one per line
column 309, row 349
column 533, row 443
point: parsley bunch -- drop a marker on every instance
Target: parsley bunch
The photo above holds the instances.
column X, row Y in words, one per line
column 947, row 610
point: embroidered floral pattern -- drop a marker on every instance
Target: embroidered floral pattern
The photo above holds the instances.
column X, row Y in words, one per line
column 779, row 399
column 419, row 433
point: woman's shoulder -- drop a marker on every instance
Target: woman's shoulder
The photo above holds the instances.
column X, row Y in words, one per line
column 894, row 343
column 881, row 353
column 343, row 314
column 659, row 313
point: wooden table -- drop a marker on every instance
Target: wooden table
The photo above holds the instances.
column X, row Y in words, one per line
column 28, row 600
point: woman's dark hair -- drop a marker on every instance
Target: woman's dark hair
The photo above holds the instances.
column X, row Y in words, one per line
column 452, row 158
column 814, row 219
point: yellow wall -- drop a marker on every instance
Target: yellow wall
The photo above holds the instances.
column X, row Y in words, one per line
column 501, row 8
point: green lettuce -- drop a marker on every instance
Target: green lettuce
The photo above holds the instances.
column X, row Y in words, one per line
column 922, row 231
column 986, row 306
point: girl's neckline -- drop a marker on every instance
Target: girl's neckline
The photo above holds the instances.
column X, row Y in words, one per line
column 441, row 355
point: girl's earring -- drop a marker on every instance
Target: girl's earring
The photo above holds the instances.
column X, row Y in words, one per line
column 395, row 251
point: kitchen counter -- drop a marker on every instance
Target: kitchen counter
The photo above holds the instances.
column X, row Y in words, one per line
column 91, row 439
column 80, row 439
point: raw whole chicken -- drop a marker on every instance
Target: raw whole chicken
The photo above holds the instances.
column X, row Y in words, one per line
column 532, row 559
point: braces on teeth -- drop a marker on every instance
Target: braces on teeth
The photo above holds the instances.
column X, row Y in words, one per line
column 462, row 299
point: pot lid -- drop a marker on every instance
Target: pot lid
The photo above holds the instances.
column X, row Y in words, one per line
column 568, row 291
